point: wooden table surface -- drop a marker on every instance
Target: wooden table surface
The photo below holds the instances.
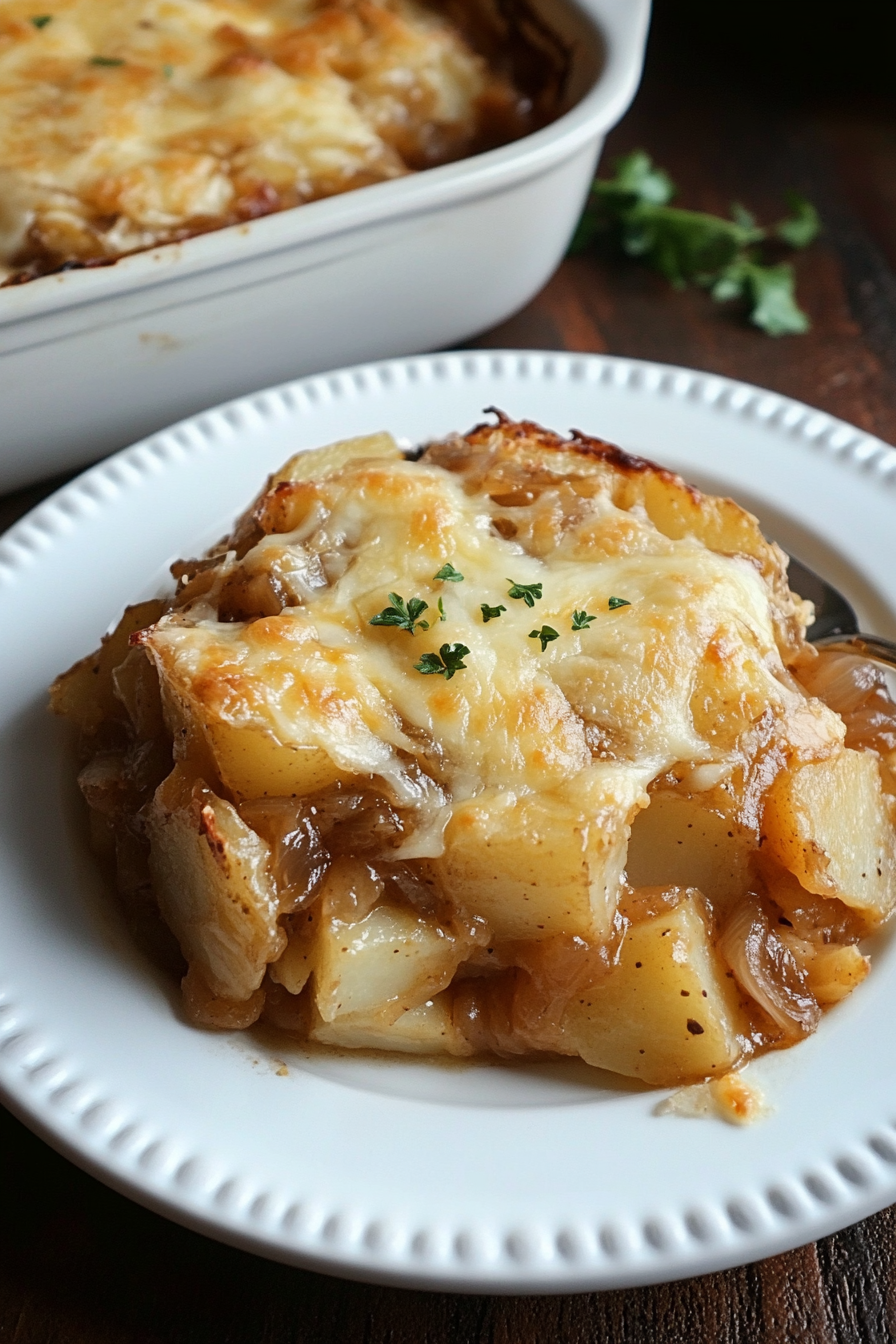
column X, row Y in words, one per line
column 736, row 103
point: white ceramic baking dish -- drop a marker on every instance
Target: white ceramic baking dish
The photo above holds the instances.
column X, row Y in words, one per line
column 92, row 359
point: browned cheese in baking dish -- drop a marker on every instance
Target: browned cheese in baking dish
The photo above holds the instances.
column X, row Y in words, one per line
column 515, row 748
column 129, row 124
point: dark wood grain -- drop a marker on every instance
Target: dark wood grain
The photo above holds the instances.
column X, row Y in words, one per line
column 731, row 115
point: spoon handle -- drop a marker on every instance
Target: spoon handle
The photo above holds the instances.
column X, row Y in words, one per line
column 874, row 648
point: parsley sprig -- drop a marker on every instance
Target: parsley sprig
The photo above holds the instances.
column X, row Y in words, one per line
column 581, row 620
column 616, row 602
column 530, row 593
column 490, row 613
column 448, row 574
column 546, row 634
column 41, row 20
column 403, row 615
column 724, row 256
column 445, row 663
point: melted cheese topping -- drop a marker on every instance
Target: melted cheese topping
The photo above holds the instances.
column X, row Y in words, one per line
column 678, row 677
column 371, row 852
column 129, row 124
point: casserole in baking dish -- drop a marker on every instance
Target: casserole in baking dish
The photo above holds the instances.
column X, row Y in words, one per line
column 91, row 358
column 154, row 120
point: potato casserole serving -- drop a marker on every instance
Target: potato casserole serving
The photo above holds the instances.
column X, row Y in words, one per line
column 127, row 125
column 515, row 747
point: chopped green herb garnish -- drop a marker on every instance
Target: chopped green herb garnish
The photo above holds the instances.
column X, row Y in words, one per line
column 448, row 574
column 167, row 71
column 445, row 663
column 581, row 620
column 41, row 20
column 802, row 226
column 527, row 592
column 615, row 602
column 403, row 615
column 106, row 60
column 545, row 634
column 441, row 606
column 490, row 613
column 724, row 256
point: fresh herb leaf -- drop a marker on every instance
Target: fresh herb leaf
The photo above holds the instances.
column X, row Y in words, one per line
column 490, row 613
column 167, row 71
column 527, row 592
column 742, row 216
column 448, row 574
column 774, row 305
column 41, row 20
column 581, row 620
column 769, row 290
column 731, row 283
column 636, row 180
column 441, row 606
column 683, row 245
column 638, row 176
column 802, row 226
column 106, row 60
column 616, row 602
column 545, row 634
column 445, row 663
column 724, row 256
column 403, row 615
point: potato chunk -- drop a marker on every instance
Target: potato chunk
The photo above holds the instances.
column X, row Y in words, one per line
column 667, row 1013
column 289, row 492
column 293, row 968
column 209, row 873
column 678, row 841
column 541, row 864
column 213, row 715
column 316, row 463
column 386, row 963
column 86, row 692
column 427, row 1029
column 832, row 969
column 828, row 824
column 255, row 764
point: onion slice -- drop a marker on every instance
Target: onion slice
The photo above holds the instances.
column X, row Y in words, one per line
column 857, row 691
column 765, row 967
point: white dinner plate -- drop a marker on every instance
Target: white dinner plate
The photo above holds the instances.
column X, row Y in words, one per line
column 471, row 1176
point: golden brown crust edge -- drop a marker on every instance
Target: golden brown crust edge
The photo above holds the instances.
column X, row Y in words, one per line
column 676, row 508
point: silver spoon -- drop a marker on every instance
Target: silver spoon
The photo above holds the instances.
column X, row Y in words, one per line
column 835, row 625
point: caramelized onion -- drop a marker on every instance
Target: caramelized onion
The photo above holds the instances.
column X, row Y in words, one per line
column 556, row 970
column 767, row 970
column 299, row 860
column 817, row 919
column 857, row 691
column 482, row 1012
column 203, row 1009
column 288, row 1012
column 518, row 1009
column 357, row 823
